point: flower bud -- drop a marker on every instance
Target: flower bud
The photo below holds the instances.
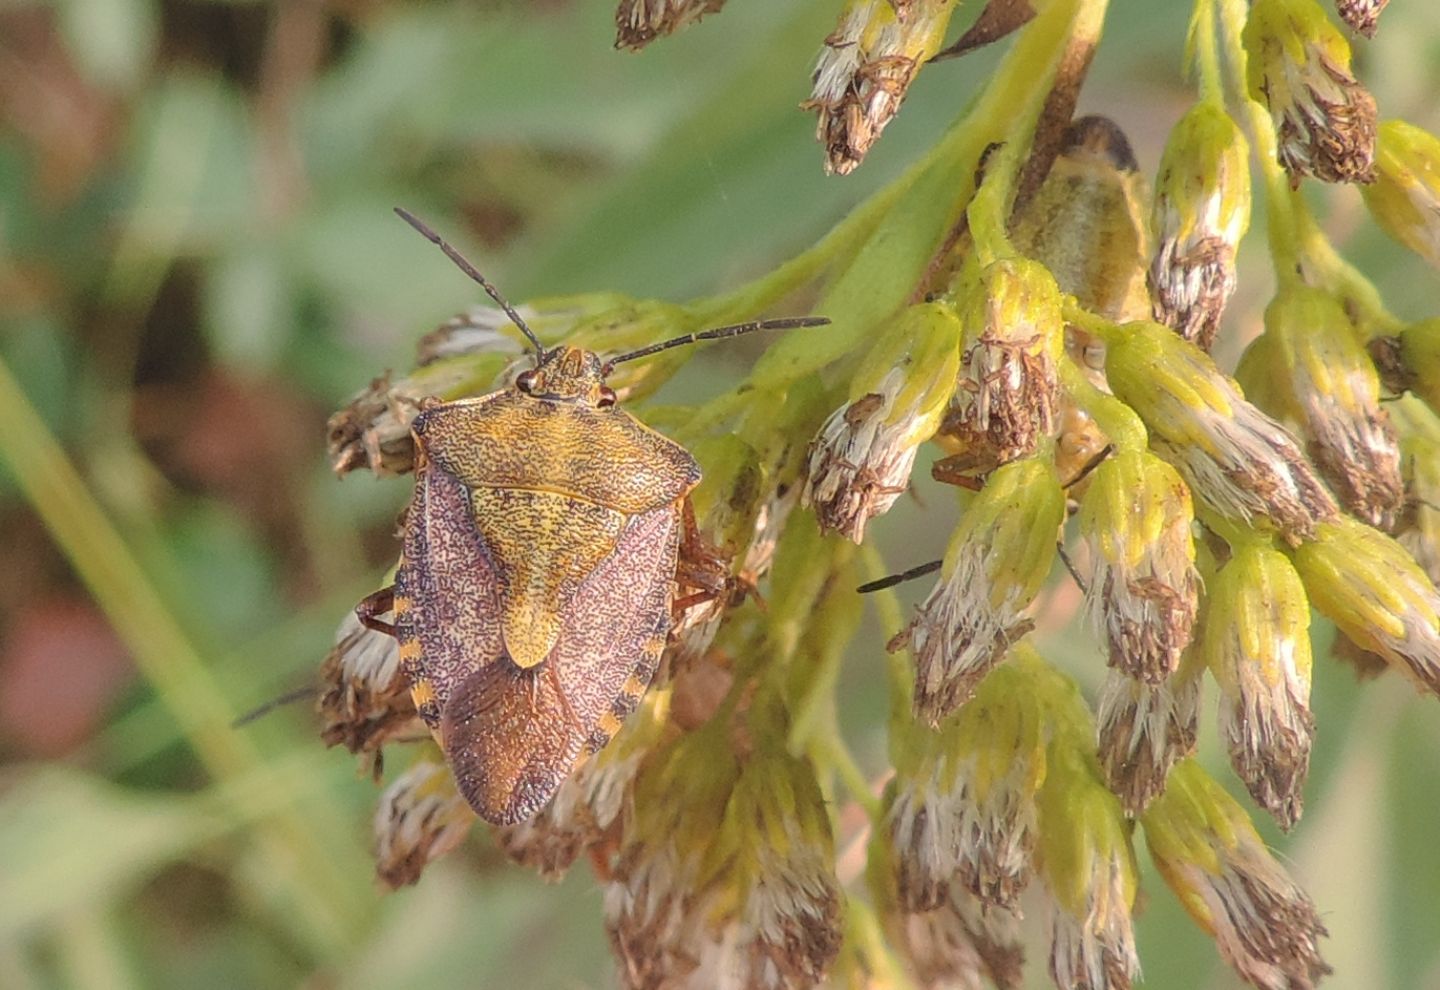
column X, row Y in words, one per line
column 865, row 69
column 421, row 817
column 1238, row 461
column 1334, row 384
column 1089, row 869
column 996, row 563
column 1361, row 15
column 365, row 697
column 1202, row 209
column 962, row 803
column 1005, row 397
column 1143, row 730
column 726, row 878
column 1367, row 584
column 1299, row 67
column 1210, row 855
column 639, row 22
column 1142, row 589
column 1405, row 197
column 860, row 462
column 1257, row 645
column 961, row 943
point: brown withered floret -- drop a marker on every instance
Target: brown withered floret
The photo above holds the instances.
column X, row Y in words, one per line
column 1144, row 730
column 639, row 22
column 365, row 699
column 1362, row 15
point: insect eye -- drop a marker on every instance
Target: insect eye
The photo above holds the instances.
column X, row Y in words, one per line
column 607, row 397
column 526, row 381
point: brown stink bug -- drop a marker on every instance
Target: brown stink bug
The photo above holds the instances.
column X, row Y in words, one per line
column 537, row 577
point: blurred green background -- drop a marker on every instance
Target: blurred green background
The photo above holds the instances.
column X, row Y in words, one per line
column 198, row 263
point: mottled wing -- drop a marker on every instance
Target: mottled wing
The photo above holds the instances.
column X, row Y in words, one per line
column 605, row 456
column 511, row 735
column 447, row 594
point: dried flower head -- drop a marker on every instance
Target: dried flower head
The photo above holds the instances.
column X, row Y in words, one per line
column 1299, row 67
column 961, row 808
column 860, row 462
column 1089, row 870
column 1202, row 209
column 865, row 69
column 1209, row 853
column 1005, row 397
column 1361, row 15
column 997, row 560
column 1257, row 645
column 639, row 22
column 1405, row 197
column 421, row 817
column 1337, row 391
column 960, row 944
column 365, row 698
column 1142, row 590
column 1367, row 584
column 1143, row 730
column 726, row 878
column 1238, row 461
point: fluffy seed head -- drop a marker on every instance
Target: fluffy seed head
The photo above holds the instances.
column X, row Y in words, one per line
column 1405, row 197
column 1257, row 645
column 962, row 803
column 860, row 462
column 1237, row 460
column 996, row 563
column 421, row 817
column 639, row 22
column 1337, row 391
column 365, row 699
column 865, row 69
column 1299, row 67
column 1005, row 398
column 1089, row 871
column 1202, row 209
column 1361, row 15
column 1143, row 589
column 1377, row 595
column 1210, row 855
column 727, row 878
column 1143, row 730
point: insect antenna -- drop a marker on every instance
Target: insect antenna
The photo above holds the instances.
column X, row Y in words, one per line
column 901, row 578
column 465, row 266
column 787, row 323
column 288, row 698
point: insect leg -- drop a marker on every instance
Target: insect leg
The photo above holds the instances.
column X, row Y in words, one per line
column 376, row 604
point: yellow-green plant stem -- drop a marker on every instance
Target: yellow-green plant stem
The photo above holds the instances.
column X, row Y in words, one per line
column 1202, row 52
column 164, row 655
column 884, row 271
column 1298, row 247
column 863, row 929
column 1118, row 421
column 892, row 617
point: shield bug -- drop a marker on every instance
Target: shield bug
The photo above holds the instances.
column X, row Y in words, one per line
column 537, row 577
